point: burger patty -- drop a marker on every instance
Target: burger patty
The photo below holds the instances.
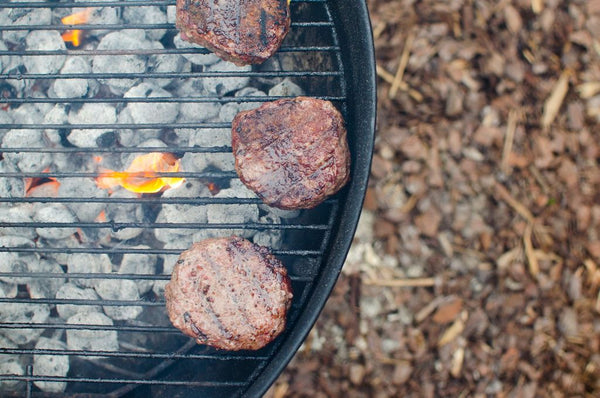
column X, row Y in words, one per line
column 243, row 32
column 229, row 293
column 292, row 153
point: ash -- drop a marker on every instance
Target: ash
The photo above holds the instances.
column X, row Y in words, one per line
column 97, row 258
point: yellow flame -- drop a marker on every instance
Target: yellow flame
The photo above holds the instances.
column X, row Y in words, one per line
column 78, row 18
column 140, row 176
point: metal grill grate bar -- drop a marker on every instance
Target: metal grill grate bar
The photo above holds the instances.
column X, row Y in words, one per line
column 138, row 355
column 313, row 24
column 182, row 383
column 220, row 100
column 117, row 250
column 153, row 200
column 112, row 4
column 32, row 53
column 110, row 303
column 180, row 75
column 121, row 225
column 75, row 275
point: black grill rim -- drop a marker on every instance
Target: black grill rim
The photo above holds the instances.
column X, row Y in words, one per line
column 356, row 38
column 355, row 52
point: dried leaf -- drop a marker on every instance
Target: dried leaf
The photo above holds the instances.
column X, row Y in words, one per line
column 534, row 267
column 556, row 98
column 457, row 362
column 537, row 6
column 513, row 19
column 447, row 312
column 588, row 89
column 454, row 330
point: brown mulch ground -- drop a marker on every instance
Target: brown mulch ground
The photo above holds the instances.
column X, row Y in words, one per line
column 476, row 267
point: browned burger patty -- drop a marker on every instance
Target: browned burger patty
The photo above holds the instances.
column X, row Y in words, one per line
column 229, row 293
column 292, row 153
column 240, row 31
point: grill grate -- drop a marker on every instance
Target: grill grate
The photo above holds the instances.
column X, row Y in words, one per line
column 310, row 56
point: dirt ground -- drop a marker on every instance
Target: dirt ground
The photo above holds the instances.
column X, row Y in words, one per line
column 475, row 271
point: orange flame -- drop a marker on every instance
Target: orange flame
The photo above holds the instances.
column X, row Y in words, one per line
column 101, row 217
column 140, row 176
column 81, row 17
column 41, row 186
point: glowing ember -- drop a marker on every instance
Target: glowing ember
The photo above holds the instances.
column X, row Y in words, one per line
column 81, row 17
column 101, row 217
column 41, row 186
column 213, row 188
column 140, row 176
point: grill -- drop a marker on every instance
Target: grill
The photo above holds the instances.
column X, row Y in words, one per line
column 68, row 114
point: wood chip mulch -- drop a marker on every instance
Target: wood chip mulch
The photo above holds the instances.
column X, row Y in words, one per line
column 475, row 271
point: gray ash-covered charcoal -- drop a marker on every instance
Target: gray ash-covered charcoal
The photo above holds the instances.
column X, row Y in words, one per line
column 126, row 63
column 12, row 367
column 147, row 15
column 50, row 365
column 41, row 286
column 28, row 162
column 151, row 112
column 92, row 114
column 88, row 263
column 71, row 292
column 19, row 214
column 196, row 58
column 242, row 32
column 26, row 313
column 286, row 88
column 226, row 84
column 230, row 109
column 72, row 88
column 142, row 264
column 120, row 290
column 126, row 213
column 91, row 339
column 83, row 188
column 44, row 40
column 229, row 293
column 55, row 213
column 15, row 261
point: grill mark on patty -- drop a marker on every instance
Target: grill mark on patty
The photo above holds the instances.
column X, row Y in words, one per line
column 234, row 297
column 234, row 245
column 238, row 19
column 209, row 310
column 263, row 27
column 201, row 337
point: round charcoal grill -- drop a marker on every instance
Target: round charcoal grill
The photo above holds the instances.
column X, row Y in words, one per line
column 82, row 257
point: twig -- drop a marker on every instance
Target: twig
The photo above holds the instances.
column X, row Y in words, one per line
column 408, row 282
column 389, row 78
column 509, row 139
column 378, row 30
column 534, row 267
column 539, row 178
column 512, row 202
column 384, row 74
column 401, row 65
